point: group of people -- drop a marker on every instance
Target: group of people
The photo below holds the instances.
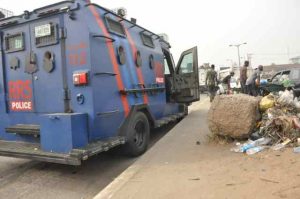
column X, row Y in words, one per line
column 249, row 85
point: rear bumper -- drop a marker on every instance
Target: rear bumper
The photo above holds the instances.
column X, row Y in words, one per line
column 75, row 157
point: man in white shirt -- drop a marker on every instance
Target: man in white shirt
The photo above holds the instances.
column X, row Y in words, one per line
column 253, row 81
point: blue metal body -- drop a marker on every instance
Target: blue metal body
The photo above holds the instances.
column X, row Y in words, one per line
column 81, row 46
column 70, row 132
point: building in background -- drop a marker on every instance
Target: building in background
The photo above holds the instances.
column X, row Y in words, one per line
column 295, row 60
column 271, row 70
column 5, row 13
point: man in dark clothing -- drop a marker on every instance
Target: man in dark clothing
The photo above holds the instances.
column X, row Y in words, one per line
column 211, row 82
column 226, row 81
column 243, row 76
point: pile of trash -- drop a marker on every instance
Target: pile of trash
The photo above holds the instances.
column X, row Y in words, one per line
column 279, row 126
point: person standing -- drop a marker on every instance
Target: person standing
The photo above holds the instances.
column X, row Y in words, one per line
column 243, row 77
column 253, row 81
column 211, row 82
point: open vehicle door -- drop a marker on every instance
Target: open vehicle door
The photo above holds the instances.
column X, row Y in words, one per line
column 187, row 77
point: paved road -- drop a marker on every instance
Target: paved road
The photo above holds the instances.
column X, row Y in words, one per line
column 34, row 180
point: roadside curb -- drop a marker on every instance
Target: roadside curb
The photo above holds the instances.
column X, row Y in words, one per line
column 110, row 190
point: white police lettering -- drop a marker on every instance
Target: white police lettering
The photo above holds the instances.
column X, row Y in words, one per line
column 21, row 106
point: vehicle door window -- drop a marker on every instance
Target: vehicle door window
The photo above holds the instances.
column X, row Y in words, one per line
column 276, row 78
column 168, row 63
column 166, row 66
column 285, row 76
column 186, row 65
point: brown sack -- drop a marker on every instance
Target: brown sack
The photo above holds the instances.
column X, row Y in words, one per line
column 233, row 115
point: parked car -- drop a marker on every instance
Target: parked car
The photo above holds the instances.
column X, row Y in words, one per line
column 282, row 80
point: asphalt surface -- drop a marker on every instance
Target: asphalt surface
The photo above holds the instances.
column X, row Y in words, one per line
column 34, row 180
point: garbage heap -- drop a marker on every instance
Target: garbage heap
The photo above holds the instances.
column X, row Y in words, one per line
column 280, row 118
column 268, row 122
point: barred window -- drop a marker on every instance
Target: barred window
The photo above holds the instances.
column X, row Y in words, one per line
column 14, row 43
column 45, row 35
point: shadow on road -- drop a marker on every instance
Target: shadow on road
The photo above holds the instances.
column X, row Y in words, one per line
column 31, row 179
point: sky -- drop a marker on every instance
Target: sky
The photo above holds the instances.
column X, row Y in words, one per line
column 269, row 27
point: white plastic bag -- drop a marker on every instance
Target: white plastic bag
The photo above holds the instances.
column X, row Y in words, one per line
column 286, row 98
column 221, row 89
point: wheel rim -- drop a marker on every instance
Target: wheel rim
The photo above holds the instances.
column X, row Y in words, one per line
column 139, row 129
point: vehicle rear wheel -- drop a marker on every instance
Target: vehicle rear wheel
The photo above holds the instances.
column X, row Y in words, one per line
column 138, row 133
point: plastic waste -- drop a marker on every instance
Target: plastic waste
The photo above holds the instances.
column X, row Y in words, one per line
column 297, row 149
column 255, row 150
column 251, row 144
column 267, row 102
column 242, row 148
column 255, row 136
column 297, row 104
column 286, row 98
column 221, row 90
column 281, row 145
column 263, row 82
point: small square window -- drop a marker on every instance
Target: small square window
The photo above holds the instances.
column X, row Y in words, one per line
column 115, row 27
column 45, row 35
column 14, row 43
column 147, row 40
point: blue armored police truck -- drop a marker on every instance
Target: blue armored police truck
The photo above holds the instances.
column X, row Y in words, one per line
column 77, row 79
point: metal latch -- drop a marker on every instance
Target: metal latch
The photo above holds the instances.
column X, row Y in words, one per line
column 62, row 33
column 31, row 65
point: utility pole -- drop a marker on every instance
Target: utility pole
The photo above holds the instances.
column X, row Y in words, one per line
column 238, row 49
column 249, row 57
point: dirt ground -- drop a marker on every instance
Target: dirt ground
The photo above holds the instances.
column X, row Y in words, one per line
column 179, row 167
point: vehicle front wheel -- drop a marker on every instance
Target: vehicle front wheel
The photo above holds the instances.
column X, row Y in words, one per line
column 137, row 133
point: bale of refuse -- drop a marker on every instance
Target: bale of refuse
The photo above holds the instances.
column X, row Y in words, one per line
column 233, row 115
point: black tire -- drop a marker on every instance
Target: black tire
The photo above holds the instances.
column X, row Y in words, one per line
column 137, row 134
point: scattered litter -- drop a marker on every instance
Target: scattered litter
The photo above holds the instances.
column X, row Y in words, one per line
column 297, row 149
column 251, row 145
column 281, row 145
column 194, row 179
column 255, row 150
column 267, row 180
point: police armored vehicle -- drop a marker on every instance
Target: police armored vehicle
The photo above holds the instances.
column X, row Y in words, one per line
column 77, row 79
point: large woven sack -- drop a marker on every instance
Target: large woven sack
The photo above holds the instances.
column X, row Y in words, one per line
column 233, row 115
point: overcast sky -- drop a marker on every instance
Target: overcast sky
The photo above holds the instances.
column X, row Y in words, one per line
column 270, row 27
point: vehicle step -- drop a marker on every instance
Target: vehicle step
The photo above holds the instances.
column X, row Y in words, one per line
column 165, row 120
column 75, row 157
column 24, row 129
